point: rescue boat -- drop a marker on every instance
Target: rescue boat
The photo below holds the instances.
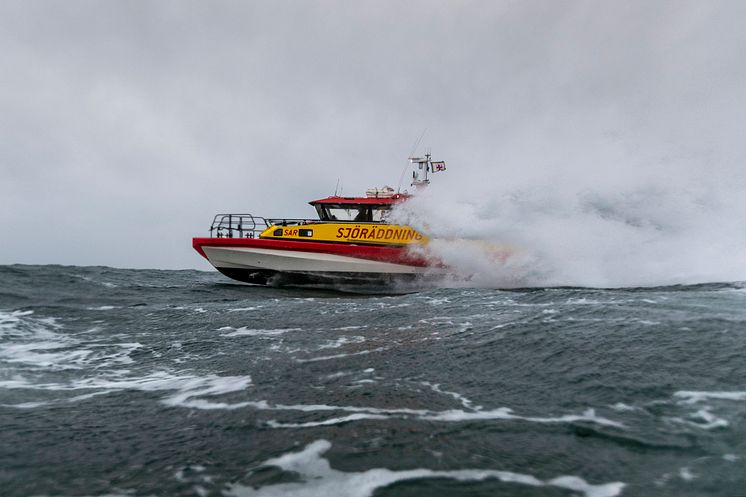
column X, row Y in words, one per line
column 350, row 244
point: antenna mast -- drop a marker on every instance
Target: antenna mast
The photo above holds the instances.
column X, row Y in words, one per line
column 419, row 176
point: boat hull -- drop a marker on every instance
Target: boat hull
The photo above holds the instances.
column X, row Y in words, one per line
column 323, row 265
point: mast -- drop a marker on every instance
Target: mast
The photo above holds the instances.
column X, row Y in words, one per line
column 419, row 175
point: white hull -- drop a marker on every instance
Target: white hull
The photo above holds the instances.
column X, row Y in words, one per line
column 262, row 259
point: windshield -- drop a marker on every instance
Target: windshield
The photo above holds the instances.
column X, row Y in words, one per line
column 351, row 212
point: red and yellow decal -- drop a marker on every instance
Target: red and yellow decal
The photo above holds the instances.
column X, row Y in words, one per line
column 369, row 233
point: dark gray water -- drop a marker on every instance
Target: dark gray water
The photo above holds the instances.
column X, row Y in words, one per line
column 124, row 382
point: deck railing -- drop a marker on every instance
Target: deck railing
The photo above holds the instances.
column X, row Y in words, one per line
column 237, row 226
column 248, row 225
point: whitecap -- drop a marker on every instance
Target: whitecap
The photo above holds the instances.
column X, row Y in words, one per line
column 339, row 342
column 339, row 356
column 463, row 400
column 252, row 332
column 703, row 419
column 327, row 422
column 319, row 479
column 188, row 389
column 448, row 416
column 692, row 397
column 506, row 413
column 686, row 474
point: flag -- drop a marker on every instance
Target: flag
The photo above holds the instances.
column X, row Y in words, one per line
column 438, row 166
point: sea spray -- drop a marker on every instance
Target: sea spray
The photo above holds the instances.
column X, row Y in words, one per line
column 646, row 232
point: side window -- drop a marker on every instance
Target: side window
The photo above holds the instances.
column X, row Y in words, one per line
column 381, row 213
column 277, row 232
column 306, row 233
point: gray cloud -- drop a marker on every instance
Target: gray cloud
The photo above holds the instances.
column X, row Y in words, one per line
column 127, row 125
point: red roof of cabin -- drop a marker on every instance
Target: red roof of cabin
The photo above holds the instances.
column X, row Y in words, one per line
column 394, row 199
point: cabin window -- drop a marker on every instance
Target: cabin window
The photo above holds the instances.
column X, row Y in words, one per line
column 306, row 233
column 359, row 213
column 277, row 232
column 340, row 213
column 381, row 213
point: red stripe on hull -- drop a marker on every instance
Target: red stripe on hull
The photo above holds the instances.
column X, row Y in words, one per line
column 395, row 255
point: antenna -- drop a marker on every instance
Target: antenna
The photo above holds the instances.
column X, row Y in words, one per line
column 417, row 143
column 337, row 188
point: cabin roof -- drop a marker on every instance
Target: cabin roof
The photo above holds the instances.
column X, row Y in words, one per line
column 394, row 199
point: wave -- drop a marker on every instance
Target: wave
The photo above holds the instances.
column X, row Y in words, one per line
column 318, row 478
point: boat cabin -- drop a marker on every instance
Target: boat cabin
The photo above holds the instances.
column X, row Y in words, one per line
column 371, row 209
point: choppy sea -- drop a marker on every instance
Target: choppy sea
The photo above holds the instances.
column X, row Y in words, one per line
column 180, row 383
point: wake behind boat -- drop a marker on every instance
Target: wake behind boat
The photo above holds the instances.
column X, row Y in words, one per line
column 350, row 244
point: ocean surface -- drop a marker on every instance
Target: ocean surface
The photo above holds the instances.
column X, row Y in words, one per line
column 181, row 383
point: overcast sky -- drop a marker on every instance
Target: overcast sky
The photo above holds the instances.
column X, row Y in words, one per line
column 125, row 126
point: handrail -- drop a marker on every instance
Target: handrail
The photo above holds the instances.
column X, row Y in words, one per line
column 250, row 226
column 237, row 225
column 291, row 221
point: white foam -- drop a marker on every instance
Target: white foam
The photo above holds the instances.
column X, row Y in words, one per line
column 9, row 319
column 448, row 416
column 686, row 474
column 692, row 397
column 41, row 346
column 708, row 420
column 647, row 322
column 506, row 413
column 21, row 324
column 470, row 413
column 339, row 356
column 189, row 389
column 251, row 332
column 91, row 280
column 44, row 354
column 103, row 308
column 463, row 400
column 341, row 341
column 327, row 422
column 319, row 479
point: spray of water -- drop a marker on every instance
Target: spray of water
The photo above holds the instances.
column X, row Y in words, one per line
column 614, row 154
column 616, row 230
